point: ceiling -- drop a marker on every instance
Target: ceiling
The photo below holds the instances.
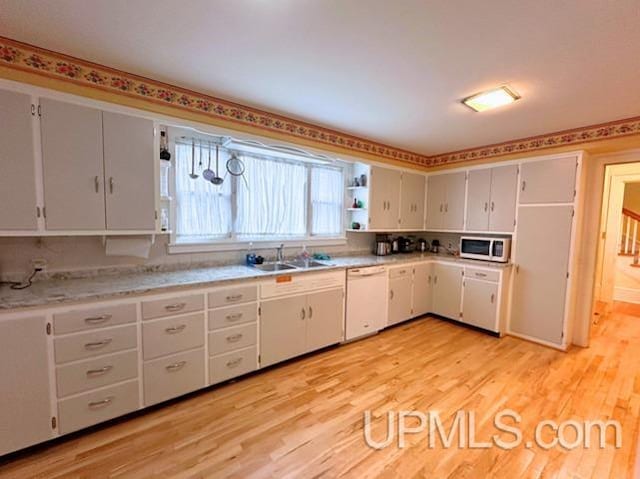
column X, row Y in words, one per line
column 393, row 72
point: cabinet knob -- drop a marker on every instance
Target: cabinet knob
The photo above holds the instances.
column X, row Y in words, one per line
column 493, row 297
column 493, row 206
column 111, row 185
column 486, row 207
column 303, row 314
column 524, row 185
column 96, row 184
column 390, row 294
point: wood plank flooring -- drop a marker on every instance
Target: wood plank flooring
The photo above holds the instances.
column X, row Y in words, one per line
column 304, row 419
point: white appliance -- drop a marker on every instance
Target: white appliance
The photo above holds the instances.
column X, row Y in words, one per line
column 366, row 301
column 487, row 249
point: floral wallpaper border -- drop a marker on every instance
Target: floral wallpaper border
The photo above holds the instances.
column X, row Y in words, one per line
column 21, row 56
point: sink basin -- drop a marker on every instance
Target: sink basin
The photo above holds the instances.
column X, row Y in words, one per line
column 274, row 267
column 299, row 263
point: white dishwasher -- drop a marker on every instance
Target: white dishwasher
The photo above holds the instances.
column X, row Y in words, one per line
column 366, row 301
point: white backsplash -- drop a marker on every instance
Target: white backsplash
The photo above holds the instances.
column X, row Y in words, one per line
column 85, row 254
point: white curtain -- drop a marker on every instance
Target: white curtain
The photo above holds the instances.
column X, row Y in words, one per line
column 327, row 195
column 203, row 210
column 272, row 203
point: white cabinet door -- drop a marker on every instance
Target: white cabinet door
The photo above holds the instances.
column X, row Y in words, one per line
column 447, row 290
column 435, row 201
column 17, row 163
column 478, row 200
column 422, row 294
column 325, row 319
column 548, row 181
column 542, row 262
column 129, row 172
column 455, row 188
column 25, row 416
column 73, row 166
column 479, row 304
column 282, row 329
column 412, row 201
column 384, row 198
column 399, row 299
column 504, row 186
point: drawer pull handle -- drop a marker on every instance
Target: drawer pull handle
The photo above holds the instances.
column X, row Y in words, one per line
column 175, row 329
column 233, row 317
column 102, row 403
column 91, row 373
column 481, row 275
column 234, row 297
column 234, row 362
column 175, row 366
column 98, row 319
column 175, row 307
column 98, row 344
column 235, row 338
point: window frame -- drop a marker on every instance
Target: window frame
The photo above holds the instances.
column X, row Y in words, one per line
column 232, row 243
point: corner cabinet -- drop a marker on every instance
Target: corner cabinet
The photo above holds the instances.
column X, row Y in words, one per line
column 445, row 201
column 25, row 409
column 20, row 209
column 447, row 290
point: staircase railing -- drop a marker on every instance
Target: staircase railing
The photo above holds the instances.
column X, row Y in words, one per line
column 629, row 242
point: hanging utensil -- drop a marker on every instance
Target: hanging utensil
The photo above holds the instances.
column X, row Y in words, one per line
column 217, row 180
column 209, row 174
column 193, row 175
column 200, row 159
column 235, row 167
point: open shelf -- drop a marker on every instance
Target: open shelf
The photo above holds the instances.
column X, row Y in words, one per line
column 356, row 209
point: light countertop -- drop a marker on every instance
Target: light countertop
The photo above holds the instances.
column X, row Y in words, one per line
column 101, row 287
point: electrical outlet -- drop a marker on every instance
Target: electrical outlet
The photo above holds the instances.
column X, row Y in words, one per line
column 39, row 263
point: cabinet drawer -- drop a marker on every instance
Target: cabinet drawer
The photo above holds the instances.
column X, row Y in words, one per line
column 97, row 372
column 228, row 296
column 97, row 406
column 160, row 308
column 232, row 315
column 231, row 365
column 173, row 376
column 91, row 318
column 399, row 272
column 232, row 338
column 95, row 343
column 484, row 274
column 172, row 335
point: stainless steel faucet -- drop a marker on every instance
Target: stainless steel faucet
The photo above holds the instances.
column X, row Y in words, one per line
column 280, row 253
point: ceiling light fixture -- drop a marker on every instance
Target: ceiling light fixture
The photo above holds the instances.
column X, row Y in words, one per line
column 491, row 99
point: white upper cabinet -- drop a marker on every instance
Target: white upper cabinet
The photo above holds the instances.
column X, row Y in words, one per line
column 478, row 199
column 384, row 199
column 129, row 172
column 504, row 189
column 491, row 199
column 412, row 201
column 17, row 163
column 548, row 181
column 72, row 166
column 445, row 201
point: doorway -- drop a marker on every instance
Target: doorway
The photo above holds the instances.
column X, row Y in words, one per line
column 618, row 269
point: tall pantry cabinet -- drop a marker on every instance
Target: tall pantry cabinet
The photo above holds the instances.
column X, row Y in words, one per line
column 544, row 236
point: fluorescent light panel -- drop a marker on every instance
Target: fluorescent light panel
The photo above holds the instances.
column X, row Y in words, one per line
column 491, row 99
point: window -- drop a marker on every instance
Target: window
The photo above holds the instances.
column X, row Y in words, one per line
column 277, row 199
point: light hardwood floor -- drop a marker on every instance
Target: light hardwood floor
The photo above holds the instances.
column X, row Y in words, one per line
column 304, row 419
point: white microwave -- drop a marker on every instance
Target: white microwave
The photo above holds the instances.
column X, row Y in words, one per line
column 487, row 249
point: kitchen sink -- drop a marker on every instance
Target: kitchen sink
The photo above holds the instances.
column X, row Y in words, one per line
column 304, row 264
column 274, row 267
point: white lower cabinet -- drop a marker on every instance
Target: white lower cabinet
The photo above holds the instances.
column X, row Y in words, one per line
column 422, row 288
column 97, row 406
column 480, row 304
column 447, row 290
column 173, row 376
column 296, row 325
column 400, row 284
column 25, row 414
